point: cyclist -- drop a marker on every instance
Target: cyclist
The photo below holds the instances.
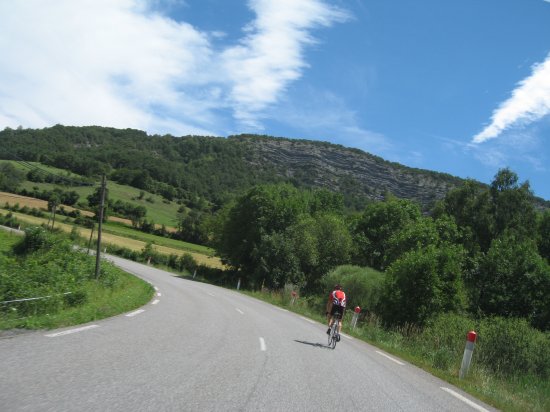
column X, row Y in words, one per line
column 336, row 304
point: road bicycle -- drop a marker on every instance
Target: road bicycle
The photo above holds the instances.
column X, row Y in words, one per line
column 333, row 336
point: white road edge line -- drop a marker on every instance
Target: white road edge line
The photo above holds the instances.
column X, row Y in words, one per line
column 137, row 312
column 155, row 302
column 262, row 345
column 281, row 309
column 68, row 332
column 465, row 400
column 346, row 336
column 390, row 358
column 159, row 294
column 157, row 289
column 308, row 320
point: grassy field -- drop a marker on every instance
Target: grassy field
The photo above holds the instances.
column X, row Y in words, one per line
column 161, row 211
column 201, row 254
column 125, row 231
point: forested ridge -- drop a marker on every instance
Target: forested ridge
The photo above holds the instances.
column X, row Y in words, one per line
column 205, row 171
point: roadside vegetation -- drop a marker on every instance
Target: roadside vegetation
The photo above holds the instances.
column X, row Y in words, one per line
column 44, row 265
column 510, row 364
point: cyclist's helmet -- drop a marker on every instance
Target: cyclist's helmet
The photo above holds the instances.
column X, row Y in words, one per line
column 337, row 287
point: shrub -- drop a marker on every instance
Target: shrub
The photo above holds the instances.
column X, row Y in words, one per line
column 76, row 298
column 188, row 262
column 36, row 238
column 363, row 286
column 442, row 340
column 422, row 284
column 512, row 347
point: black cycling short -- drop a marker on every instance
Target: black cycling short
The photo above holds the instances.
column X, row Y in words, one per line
column 337, row 309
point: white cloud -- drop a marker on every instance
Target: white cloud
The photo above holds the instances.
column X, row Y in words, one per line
column 529, row 102
column 271, row 55
column 120, row 63
column 97, row 62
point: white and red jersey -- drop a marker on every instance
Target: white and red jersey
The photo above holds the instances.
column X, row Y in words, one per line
column 338, row 298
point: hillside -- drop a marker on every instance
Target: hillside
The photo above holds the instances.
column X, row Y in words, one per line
column 203, row 171
column 354, row 173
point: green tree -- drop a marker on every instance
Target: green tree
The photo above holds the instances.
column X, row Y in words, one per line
column 419, row 234
column 191, row 227
column 514, row 281
column 278, row 264
column 136, row 214
column 543, row 239
column 470, row 206
column 321, row 242
column 377, row 224
column 94, row 201
column 263, row 211
column 513, row 205
column 10, row 177
column 422, row 284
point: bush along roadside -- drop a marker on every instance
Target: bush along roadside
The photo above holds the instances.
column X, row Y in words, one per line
column 45, row 282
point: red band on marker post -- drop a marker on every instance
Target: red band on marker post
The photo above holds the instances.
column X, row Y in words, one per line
column 468, row 351
column 357, row 309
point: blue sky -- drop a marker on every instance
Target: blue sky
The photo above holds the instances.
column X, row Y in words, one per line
column 458, row 87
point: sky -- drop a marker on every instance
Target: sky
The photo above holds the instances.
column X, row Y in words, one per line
column 459, row 87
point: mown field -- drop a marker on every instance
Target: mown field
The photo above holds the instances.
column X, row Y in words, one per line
column 159, row 210
column 119, row 236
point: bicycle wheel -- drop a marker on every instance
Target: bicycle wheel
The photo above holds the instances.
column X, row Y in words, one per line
column 333, row 334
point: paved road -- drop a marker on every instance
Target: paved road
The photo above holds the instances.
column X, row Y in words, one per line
column 197, row 347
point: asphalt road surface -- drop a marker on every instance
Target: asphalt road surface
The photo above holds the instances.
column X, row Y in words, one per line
column 197, row 347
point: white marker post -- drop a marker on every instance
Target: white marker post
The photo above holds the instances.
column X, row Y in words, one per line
column 357, row 310
column 293, row 299
column 239, row 284
column 468, row 351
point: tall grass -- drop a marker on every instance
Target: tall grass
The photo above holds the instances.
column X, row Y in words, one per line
column 45, row 266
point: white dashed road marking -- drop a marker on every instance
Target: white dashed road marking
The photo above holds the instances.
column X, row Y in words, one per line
column 155, row 302
column 137, row 312
column 240, row 311
column 390, row 358
column 211, row 294
column 465, row 400
column 262, row 345
column 159, row 294
column 68, row 332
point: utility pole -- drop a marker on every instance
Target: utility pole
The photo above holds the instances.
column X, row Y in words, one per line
column 53, row 213
column 101, row 206
column 91, row 236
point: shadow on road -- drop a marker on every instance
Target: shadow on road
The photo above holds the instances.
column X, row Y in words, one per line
column 317, row 345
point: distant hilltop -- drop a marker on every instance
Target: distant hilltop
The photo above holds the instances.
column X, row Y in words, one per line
column 209, row 170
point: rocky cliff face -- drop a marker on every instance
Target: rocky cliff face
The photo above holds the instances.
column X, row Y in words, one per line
column 347, row 170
